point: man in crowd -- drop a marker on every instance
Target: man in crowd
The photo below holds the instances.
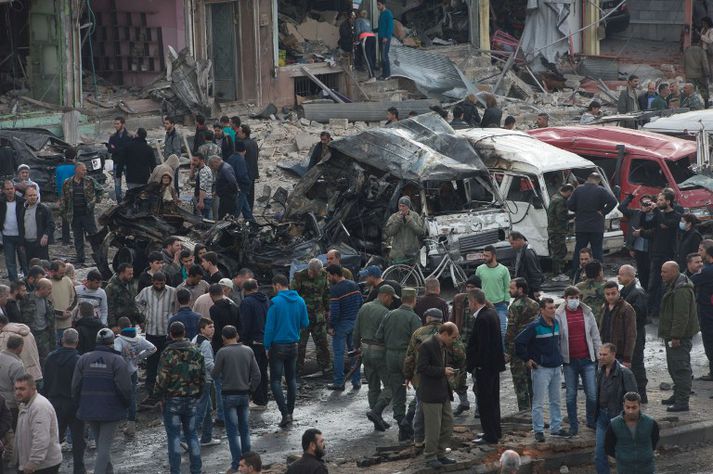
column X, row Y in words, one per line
column 121, row 294
column 250, row 463
column 172, row 141
column 539, row 346
column 242, row 176
column 703, row 282
column 80, row 195
column 523, row 311
column 613, row 381
column 223, row 140
column 691, row 99
column 463, row 319
column 226, row 186
column 636, row 297
column 485, row 361
column 22, row 180
column 62, row 298
column 224, row 312
column 369, row 318
column 243, row 275
column 405, row 229
column 29, row 355
column 286, row 317
column 92, row 292
column 495, row 281
column 632, row 438
column 526, row 264
column 236, row 366
column 592, row 288
column 38, row 228
column 311, row 461
column 557, row 229
column 618, row 323
column 117, row 145
column 641, row 218
column 11, row 368
column 181, row 375
column 375, row 281
column 251, row 159
column 204, row 417
column 12, row 209
column 194, row 283
column 432, row 299
column 38, row 313
column 185, row 314
column 155, row 265
column 628, row 99
column 203, row 192
column 139, row 161
column 696, row 68
column 585, row 256
column 678, row 323
column 386, row 30
column 344, row 302
column 542, row 120
column 334, row 257
column 647, row 97
column 458, row 123
column 253, row 312
column 313, row 286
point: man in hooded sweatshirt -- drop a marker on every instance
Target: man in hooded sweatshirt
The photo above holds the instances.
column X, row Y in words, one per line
column 285, row 318
column 169, row 166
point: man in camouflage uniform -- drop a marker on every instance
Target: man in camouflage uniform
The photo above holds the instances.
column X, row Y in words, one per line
column 405, row 229
column 121, row 294
column 462, row 319
column 395, row 332
column 523, row 310
column 373, row 353
column 313, row 286
column 592, row 289
column 179, row 383
column 37, row 312
column 434, row 320
column 557, row 223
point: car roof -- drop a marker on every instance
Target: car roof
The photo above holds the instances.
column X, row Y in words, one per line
column 522, row 150
column 602, row 141
column 687, row 122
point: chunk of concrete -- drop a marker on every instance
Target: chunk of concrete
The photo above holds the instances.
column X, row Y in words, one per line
column 303, row 142
column 338, row 123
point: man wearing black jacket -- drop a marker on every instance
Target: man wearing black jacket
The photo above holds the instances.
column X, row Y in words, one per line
column 38, row 225
column 526, row 265
column 139, row 161
column 662, row 236
column 226, row 186
column 435, row 392
column 485, row 359
column 636, row 297
column 253, row 311
column 251, row 158
column 639, row 246
column 58, row 370
column 223, row 141
column 12, row 229
column 117, row 147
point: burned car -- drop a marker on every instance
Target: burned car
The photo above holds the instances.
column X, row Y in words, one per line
column 353, row 191
column 43, row 151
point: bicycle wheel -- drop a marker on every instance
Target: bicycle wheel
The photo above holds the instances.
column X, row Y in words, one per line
column 458, row 276
column 404, row 275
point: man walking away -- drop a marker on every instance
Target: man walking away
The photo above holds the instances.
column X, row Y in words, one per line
column 59, row 369
column 495, row 281
column 590, row 202
column 432, row 299
column 253, row 311
column 251, row 161
column 539, row 345
column 139, row 161
column 386, row 31
column 37, row 435
column 204, row 420
column 12, row 211
column 557, row 229
column 285, row 318
column 181, row 375
column 80, row 195
column 486, row 360
column 618, row 323
column 678, row 323
column 636, row 297
column 632, row 438
column 313, row 451
column 344, row 302
column 522, row 312
column 87, row 326
column 101, row 385
column 185, row 314
column 613, row 381
column 435, row 368
column 203, row 192
column 235, row 364
column 226, row 186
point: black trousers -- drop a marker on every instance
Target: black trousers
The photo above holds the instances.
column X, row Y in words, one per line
column 67, row 418
column 33, row 249
column 152, row 361
column 251, row 195
column 260, row 395
column 489, row 403
column 643, row 267
column 706, row 322
column 81, row 225
column 637, row 360
column 226, row 205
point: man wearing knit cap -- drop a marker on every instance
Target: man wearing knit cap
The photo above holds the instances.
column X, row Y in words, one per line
column 405, row 229
column 22, row 181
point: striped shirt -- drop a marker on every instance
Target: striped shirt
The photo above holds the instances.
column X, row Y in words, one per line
column 97, row 298
column 204, row 182
column 157, row 307
column 344, row 302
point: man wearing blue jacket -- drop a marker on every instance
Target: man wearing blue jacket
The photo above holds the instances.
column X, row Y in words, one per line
column 539, row 346
column 285, row 318
column 344, row 302
column 386, row 31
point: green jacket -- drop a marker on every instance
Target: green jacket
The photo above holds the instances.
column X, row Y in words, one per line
column 557, row 214
column 456, row 353
column 36, row 312
column 92, row 192
column 522, row 312
column 634, row 453
column 181, row 371
column 315, row 292
column 121, row 300
column 678, row 316
column 405, row 234
column 368, row 320
column 397, row 328
column 659, row 103
column 593, row 296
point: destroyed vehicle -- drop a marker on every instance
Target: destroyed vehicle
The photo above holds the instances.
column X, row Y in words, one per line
column 635, row 159
column 353, row 191
column 528, row 173
column 43, row 151
column 685, row 125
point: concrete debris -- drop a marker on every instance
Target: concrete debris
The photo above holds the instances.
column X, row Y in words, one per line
column 362, row 111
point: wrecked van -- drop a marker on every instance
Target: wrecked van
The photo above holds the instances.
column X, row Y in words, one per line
column 528, row 173
column 352, row 192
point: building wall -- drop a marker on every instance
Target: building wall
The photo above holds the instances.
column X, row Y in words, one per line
column 656, row 20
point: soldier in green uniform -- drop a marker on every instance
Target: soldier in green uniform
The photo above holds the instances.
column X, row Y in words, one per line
column 557, row 224
column 373, row 353
column 313, row 286
column 121, row 294
column 395, row 332
column 434, row 320
column 405, row 229
column 523, row 311
column 592, row 289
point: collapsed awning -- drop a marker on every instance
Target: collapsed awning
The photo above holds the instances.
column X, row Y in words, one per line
column 545, row 27
column 421, row 148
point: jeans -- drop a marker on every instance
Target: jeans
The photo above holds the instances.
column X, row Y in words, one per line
column 218, row 384
column 13, row 246
column 204, row 416
column 243, row 206
column 601, row 460
column 502, row 310
column 546, row 381
column 419, row 428
column 207, row 211
column 180, row 412
column 104, row 432
column 572, row 371
column 343, row 335
column 260, row 395
column 82, row 224
column 66, row 418
column 237, row 413
column 152, row 361
column 595, row 240
column 385, row 65
column 134, row 395
column 283, row 361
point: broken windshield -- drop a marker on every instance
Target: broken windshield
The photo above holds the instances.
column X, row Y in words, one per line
column 682, row 172
column 447, row 197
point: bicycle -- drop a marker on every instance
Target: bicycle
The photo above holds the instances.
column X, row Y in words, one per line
column 412, row 275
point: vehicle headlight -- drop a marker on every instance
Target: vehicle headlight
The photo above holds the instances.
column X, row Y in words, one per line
column 615, row 224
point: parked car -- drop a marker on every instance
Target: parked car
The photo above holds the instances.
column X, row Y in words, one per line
column 528, row 172
column 633, row 158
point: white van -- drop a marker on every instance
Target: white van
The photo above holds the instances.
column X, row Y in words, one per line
column 528, row 172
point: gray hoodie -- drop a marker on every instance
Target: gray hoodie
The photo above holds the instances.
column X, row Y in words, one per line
column 204, row 345
column 133, row 350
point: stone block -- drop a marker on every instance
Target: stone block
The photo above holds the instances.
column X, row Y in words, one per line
column 338, row 123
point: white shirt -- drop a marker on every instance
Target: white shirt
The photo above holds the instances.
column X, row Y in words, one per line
column 11, row 227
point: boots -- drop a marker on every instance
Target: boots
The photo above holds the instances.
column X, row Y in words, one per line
column 130, row 429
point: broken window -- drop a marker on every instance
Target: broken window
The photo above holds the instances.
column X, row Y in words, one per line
column 681, row 169
column 647, row 172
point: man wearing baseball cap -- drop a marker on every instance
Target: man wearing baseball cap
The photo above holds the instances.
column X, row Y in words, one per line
column 372, row 273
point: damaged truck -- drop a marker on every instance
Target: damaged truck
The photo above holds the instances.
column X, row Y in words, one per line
column 352, row 192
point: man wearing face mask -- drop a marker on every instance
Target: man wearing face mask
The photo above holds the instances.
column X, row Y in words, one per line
column 579, row 345
column 688, row 238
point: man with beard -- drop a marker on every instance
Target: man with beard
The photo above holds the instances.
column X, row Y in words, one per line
column 632, row 437
column 311, row 461
column 62, row 298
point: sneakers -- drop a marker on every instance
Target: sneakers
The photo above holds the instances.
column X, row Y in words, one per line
column 540, row 437
column 256, row 407
column 561, row 277
column 561, row 434
column 212, row 442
